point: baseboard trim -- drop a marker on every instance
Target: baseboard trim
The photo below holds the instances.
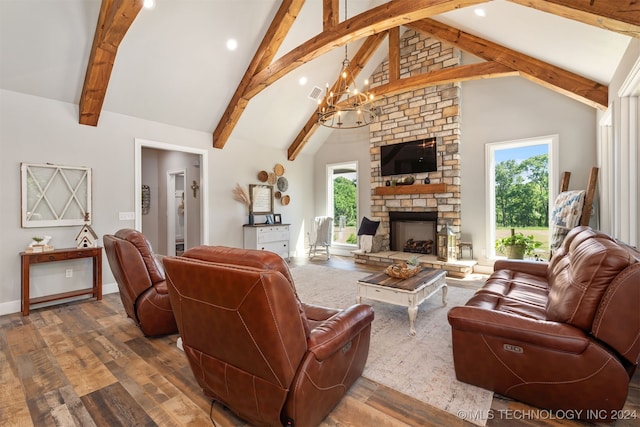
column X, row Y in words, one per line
column 11, row 307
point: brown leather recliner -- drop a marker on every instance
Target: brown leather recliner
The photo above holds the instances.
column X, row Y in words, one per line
column 563, row 335
column 141, row 280
column 253, row 346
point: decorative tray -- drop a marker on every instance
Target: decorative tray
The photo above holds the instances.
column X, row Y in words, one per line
column 402, row 270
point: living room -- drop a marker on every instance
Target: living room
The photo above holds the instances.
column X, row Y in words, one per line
column 41, row 126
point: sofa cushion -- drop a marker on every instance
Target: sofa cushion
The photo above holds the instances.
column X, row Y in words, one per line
column 579, row 275
column 513, row 292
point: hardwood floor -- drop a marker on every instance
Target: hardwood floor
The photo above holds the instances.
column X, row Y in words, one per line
column 85, row 363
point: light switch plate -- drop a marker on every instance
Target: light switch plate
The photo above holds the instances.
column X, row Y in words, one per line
column 127, row 216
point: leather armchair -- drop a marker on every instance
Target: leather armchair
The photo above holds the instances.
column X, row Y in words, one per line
column 141, row 280
column 253, row 346
column 563, row 335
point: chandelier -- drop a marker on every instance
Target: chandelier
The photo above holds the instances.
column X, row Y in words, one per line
column 344, row 106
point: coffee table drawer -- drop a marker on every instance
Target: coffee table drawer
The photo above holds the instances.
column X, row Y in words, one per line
column 390, row 296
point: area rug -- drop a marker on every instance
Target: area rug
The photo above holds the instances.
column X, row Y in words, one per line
column 420, row 366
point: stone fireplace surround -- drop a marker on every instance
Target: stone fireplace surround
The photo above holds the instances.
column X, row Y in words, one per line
column 426, row 112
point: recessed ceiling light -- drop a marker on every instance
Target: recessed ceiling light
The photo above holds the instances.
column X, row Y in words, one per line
column 480, row 12
column 302, row 81
column 149, row 4
column 232, row 44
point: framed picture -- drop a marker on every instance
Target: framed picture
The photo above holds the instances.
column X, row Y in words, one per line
column 277, row 218
column 261, row 199
column 268, row 219
column 54, row 195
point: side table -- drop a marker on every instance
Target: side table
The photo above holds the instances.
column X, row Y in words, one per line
column 28, row 258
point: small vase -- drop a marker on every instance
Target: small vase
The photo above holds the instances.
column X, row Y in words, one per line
column 252, row 220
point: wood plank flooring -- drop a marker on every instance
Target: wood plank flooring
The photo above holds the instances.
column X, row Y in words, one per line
column 86, row 364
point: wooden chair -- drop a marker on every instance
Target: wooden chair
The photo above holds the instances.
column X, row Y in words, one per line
column 320, row 236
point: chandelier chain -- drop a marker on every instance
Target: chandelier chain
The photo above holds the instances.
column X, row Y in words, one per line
column 343, row 107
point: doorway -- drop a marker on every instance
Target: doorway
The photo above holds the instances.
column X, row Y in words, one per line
column 176, row 214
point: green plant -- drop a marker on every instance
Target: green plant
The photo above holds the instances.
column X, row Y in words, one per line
column 517, row 244
column 352, row 239
column 37, row 239
column 414, row 261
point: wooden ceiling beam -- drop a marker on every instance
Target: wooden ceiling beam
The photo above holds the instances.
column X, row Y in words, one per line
column 394, row 53
column 461, row 73
column 621, row 16
column 557, row 79
column 278, row 29
column 358, row 62
column 114, row 20
column 483, row 70
column 330, row 14
column 378, row 19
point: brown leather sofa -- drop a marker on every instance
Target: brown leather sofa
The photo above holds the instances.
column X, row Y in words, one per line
column 141, row 280
column 563, row 335
column 253, row 346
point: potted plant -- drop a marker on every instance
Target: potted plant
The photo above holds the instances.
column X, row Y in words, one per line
column 517, row 245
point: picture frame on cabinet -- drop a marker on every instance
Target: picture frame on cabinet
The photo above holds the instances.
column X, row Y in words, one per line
column 277, row 218
column 261, row 199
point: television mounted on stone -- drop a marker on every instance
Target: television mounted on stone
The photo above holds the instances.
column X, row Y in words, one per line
column 409, row 157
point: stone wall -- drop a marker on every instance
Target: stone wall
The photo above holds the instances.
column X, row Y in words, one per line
column 428, row 112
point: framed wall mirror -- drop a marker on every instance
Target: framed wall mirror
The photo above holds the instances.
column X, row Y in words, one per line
column 54, row 195
column 261, row 199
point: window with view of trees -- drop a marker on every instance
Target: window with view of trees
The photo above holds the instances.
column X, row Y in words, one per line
column 343, row 202
column 520, row 190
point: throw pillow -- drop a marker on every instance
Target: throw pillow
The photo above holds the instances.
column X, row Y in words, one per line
column 565, row 215
column 368, row 227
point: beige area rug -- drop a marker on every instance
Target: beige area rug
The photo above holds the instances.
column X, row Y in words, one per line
column 420, row 366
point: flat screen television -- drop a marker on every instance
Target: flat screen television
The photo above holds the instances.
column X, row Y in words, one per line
column 409, row 157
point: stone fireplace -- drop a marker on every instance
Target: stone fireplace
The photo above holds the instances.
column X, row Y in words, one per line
column 432, row 111
column 421, row 113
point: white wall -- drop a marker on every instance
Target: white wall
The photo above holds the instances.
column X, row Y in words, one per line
column 344, row 146
column 39, row 130
column 513, row 108
column 623, row 160
column 492, row 110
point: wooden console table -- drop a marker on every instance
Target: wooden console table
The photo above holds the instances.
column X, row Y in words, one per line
column 29, row 258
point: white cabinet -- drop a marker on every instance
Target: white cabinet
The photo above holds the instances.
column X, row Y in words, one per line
column 268, row 237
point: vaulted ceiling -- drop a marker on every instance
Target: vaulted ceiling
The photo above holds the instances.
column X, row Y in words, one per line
column 170, row 64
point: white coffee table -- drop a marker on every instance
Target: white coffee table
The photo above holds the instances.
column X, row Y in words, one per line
column 408, row 293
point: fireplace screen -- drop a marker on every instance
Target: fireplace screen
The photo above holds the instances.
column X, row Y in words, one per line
column 413, row 232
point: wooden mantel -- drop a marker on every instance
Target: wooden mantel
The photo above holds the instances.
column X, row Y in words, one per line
column 411, row 189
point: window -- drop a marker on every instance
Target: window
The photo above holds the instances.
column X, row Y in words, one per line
column 519, row 179
column 342, row 202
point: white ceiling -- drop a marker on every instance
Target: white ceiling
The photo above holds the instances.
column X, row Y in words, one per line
column 173, row 66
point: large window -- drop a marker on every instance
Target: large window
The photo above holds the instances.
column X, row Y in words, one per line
column 520, row 178
column 343, row 201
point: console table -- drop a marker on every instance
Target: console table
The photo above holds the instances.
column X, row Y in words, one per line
column 29, row 258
